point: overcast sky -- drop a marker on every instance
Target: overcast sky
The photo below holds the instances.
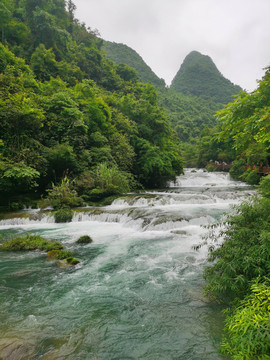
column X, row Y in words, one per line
column 234, row 33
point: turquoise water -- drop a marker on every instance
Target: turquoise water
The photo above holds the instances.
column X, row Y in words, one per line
column 137, row 293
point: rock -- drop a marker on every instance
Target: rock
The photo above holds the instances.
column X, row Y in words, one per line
column 179, row 232
column 67, row 263
column 58, row 254
column 85, row 239
column 11, row 349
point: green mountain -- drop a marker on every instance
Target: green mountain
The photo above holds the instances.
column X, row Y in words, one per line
column 197, row 92
column 199, row 76
column 120, row 53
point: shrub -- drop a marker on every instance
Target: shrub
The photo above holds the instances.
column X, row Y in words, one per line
column 30, row 242
column 63, row 215
column 58, row 254
column 251, row 177
column 111, row 179
column 244, row 255
column 62, row 195
column 237, row 169
column 211, row 168
column 14, row 206
column 247, row 330
column 264, row 187
column 85, row 239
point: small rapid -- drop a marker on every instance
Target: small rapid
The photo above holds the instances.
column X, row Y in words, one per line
column 137, row 292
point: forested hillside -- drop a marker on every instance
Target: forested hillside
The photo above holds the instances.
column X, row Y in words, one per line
column 67, row 110
column 197, row 92
column 121, row 53
column 191, row 117
column 199, row 76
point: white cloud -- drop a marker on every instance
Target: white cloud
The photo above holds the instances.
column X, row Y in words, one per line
column 234, row 33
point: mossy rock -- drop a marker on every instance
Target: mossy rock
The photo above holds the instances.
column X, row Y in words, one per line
column 63, row 215
column 30, row 242
column 58, row 254
column 67, row 263
column 85, row 239
column 71, row 260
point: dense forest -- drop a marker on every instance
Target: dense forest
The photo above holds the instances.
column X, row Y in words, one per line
column 67, row 110
column 77, row 127
column 121, row 53
column 196, row 93
column 199, row 76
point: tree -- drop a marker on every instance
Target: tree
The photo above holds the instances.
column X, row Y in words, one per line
column 246, row 122
column 62, row 195
column 16, row 178
column 43, row 63
column 5, row 16
column 126, row 73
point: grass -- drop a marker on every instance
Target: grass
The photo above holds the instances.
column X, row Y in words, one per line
column 30, row 242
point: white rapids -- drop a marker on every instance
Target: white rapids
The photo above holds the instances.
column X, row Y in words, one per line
column 137, row 293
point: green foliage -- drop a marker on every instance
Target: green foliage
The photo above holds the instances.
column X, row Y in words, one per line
column 264, row 187
column 210, row 168
column 73, row 109
column 16, row 177
column 85, row 239
column 63, row 215
column 248, row 326
column 251, row 177
column 43, row 63
column 30, row 242
column 62, row 195
column 60, row 160
column 126, row 72
column 199, row 76
column 72, row 261
column 120, row 53
column 58, row 254
column 111, row 179
column 237, row 169
column 14, row 206
column 193, row 120
column 245, row 253
column 240, row 270
column 245, row 123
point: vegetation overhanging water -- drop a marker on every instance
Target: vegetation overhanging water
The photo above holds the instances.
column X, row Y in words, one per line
column 137, row 293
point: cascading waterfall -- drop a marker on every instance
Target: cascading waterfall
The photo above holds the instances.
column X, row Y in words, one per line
column 137, row 292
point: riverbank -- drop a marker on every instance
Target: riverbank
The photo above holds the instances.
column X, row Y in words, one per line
column 137, row 292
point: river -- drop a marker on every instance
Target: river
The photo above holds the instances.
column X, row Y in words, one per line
column 137, row 292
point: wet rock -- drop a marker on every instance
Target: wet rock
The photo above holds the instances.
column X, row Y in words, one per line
column 12, row 349
column 67, row 263
column 179, row 232
column 85, row 239
column 58, row 254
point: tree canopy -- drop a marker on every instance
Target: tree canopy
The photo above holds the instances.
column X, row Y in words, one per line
column 66, row 109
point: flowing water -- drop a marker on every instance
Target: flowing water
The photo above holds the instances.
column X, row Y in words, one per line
column 137, row 292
